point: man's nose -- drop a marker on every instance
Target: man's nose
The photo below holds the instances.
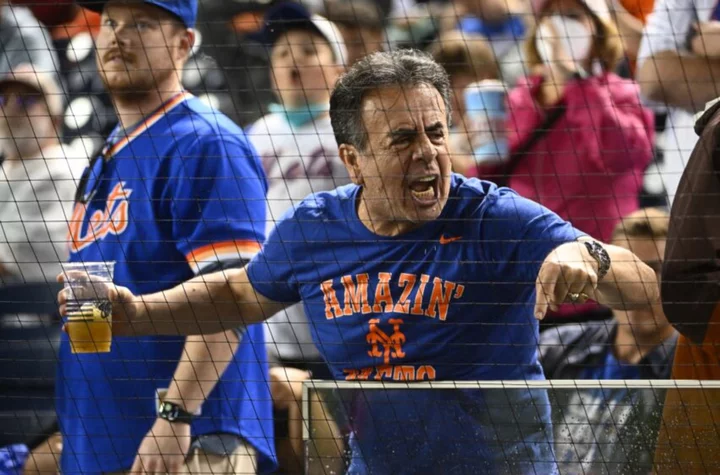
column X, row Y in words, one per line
column 119, row 36
column 424, row 149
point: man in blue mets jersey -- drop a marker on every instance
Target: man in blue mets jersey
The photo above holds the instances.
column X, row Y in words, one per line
column 176, row 192
column 413, row 273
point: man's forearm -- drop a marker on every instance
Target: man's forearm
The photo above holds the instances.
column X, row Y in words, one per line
column 209, row 303
column 203, row 362
column 683, row 81
column 629, row 284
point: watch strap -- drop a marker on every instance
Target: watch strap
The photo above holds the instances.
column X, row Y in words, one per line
column 601, row 256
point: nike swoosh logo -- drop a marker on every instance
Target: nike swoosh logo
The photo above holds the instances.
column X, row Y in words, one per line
column 447, row 240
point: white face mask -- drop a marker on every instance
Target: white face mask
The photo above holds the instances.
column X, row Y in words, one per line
column 574, row 38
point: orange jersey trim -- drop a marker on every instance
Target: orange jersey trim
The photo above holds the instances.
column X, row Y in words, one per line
column 220, row 251
column 149, row 122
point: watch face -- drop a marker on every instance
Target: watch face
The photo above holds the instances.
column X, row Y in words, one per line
column 170, row 411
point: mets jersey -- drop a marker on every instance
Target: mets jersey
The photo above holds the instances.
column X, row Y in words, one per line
column 180, row 193
column 451, row 300
column 298, row 161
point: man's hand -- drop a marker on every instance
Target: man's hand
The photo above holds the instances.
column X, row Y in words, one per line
column 163, row 450
column 706, row 40
column 125, row 306
column 568, row 275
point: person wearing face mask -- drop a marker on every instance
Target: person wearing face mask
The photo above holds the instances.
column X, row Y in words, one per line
column 300, row 156
column 579, row 138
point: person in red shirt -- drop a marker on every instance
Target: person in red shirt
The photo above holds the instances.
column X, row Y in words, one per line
column 587, row 164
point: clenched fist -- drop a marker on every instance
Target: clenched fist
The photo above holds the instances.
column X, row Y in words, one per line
column 568, row 275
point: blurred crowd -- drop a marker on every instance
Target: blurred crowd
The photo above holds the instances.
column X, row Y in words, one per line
column 585, row 106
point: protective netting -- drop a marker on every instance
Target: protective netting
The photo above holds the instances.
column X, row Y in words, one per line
column 363, row 237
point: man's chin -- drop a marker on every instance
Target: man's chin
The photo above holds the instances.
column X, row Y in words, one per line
column 426, row 215
column 429, row 212
column 122, row 83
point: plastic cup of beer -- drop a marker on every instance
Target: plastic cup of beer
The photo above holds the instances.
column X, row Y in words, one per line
column 89, row 310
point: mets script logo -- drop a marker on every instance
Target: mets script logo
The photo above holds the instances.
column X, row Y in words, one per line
column 112, row 220
column 383, row 345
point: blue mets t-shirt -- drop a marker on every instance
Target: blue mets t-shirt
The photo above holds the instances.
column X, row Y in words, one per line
column 181, row 192
column 451, row 300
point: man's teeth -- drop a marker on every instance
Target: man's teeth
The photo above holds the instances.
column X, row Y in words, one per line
column 426, row 194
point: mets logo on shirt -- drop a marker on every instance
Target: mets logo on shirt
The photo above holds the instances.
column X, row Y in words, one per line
column 112, row 220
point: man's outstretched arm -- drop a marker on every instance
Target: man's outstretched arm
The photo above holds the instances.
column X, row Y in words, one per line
column 210, row 303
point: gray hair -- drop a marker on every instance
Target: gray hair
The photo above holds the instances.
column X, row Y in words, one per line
column 405, row 67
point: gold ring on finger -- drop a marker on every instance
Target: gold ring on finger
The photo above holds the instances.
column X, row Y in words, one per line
column 574, row 297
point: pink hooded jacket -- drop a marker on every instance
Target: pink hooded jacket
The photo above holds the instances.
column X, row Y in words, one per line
column 589, row 167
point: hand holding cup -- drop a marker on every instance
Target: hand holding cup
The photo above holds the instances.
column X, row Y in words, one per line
column 87, row 301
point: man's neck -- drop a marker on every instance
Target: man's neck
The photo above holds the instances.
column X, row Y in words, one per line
column 381, row 227
column 132, row 108
column 632, row 347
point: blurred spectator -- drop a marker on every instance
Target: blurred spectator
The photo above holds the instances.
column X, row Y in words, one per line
column 638, row 344
column 502, row 24
column 361, row 25
column 678, row 66
column 23, row 40
column 37, row 183
column 300, row 156
column 467, row 58
column 580, row 140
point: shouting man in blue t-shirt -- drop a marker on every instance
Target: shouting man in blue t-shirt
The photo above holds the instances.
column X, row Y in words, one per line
column 177, row 191
column 413, row 273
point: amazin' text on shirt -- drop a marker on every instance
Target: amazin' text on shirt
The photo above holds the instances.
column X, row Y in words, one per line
column 358, row 298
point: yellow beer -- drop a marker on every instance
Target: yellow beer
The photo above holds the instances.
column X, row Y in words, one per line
column 90, row 328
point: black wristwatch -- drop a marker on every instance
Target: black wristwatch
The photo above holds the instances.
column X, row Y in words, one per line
column 598, row 252
column 171, row 412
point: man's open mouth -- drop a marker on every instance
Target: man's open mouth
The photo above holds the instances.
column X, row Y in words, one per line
column 424, row 190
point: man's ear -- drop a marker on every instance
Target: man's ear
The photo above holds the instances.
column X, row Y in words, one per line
column 187, row 41
column 351, row 158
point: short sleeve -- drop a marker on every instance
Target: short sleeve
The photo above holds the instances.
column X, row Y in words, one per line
column 218, row 193
column 667, row 28
column 518, row 234
column 271, row 271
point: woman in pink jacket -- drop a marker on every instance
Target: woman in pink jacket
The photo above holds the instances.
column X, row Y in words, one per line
column 579, row 138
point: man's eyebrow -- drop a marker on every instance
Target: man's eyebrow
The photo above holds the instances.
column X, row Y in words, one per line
column 401, row 132
column 434, row 127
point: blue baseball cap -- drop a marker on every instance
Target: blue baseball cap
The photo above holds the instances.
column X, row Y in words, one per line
column 287, row 16
column 184, row 10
